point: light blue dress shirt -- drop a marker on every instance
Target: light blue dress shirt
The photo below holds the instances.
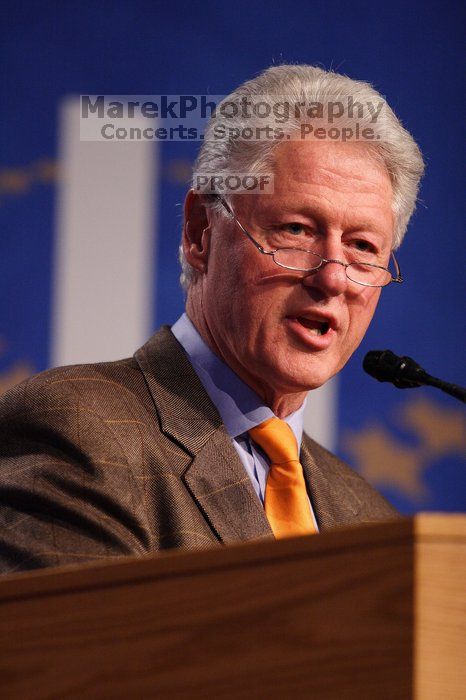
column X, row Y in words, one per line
column 240, row 408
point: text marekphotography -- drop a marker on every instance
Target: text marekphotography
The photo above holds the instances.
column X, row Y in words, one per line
column 111, row 118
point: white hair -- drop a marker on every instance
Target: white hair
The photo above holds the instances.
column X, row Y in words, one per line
column 394, row 146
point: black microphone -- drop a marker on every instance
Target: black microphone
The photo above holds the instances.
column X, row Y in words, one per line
column 405, row 373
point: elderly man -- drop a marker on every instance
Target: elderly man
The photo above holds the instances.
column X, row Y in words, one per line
column 198, row 439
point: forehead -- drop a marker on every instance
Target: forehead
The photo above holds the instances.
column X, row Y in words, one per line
column 342, row 167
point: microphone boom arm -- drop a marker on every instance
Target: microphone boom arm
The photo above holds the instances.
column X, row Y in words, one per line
column 405, row 373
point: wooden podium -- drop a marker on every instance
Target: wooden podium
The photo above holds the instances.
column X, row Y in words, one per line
column 376, row 611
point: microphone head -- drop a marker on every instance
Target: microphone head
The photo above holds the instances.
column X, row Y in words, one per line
column 385, row 366
column 381, row 364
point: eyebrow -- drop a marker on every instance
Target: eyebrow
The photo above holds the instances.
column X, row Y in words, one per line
column 318, row 215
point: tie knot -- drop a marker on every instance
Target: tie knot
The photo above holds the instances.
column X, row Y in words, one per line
column 277, row 440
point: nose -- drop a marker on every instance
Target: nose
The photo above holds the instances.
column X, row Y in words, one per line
column 330, row 278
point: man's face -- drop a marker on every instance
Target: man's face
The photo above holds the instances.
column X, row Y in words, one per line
column 286, row 332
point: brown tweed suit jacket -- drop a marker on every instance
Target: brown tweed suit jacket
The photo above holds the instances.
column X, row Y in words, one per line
column 130, row 457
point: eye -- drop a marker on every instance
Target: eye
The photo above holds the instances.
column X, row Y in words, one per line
column 294, row 227
column 363, row 246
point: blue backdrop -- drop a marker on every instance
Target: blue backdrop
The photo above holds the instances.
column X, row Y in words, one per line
column 410, row 444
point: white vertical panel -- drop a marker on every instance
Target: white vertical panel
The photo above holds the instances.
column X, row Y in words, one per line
column 320, row 417
column 104, row 262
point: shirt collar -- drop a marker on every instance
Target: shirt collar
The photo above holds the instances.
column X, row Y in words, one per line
column 238, row 405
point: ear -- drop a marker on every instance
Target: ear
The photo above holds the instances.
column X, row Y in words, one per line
column 196, row 231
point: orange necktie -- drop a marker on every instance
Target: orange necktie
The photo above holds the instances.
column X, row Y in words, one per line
column 286, row 502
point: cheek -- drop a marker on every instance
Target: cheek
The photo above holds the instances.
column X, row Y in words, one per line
column 361, row 312
column 241, row 297
column 223, row 282
column 228, row 296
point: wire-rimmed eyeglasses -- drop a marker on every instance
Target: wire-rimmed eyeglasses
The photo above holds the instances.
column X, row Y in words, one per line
column 301, row 260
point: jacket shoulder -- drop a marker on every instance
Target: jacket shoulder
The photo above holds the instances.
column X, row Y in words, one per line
column 61, row 387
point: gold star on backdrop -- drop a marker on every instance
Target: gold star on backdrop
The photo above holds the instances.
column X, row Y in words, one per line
column 440, row 429
column 384, row 459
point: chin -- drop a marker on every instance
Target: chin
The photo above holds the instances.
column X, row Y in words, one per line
column 298, row 377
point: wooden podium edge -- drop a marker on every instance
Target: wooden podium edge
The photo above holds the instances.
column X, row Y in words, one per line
column 122, row 570
column 441, row 525
column 439, row 653
column 424, row 527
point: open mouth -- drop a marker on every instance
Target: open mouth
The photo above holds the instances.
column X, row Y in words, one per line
column 313, row 326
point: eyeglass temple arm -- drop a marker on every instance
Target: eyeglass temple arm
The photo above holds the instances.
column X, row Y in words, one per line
column 398, row 277
column 227, row 207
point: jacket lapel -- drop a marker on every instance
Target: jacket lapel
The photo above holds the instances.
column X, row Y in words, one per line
column 224, row 492
column 334, row 501
column 215, row 475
